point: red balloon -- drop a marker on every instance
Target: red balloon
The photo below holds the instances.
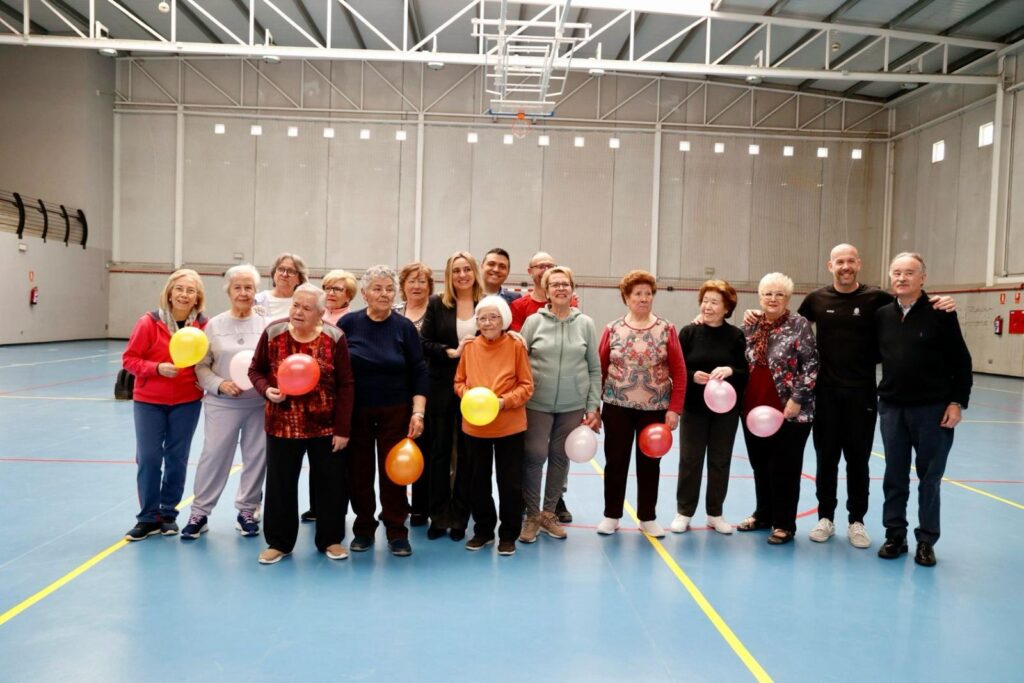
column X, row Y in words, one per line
column 297, row 374
column 404, row 463
column 655, row 440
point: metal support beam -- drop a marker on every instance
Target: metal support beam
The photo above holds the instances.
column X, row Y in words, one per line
column 19, row 18
column 996, row 184
column 308, row 19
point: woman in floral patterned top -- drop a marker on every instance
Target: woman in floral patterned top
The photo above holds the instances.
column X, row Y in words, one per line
column 317, row 423
column 644, row 380
column 783, row 361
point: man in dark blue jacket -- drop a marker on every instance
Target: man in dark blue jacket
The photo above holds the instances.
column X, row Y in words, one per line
column 926, row 383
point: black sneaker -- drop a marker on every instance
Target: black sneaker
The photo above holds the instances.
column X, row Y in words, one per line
column 478, row 542
column 196, row 525
column 416, row 519
column 562, row 512
column 142, row 531
column 246, row 524
column 506, row 548
column 360, row 544
column 400, row 547
column 308, row 516
column 892, row 548
column 169, row 527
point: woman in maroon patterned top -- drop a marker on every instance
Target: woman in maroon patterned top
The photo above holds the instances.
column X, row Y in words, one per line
column 644, row 378
column 317, row 423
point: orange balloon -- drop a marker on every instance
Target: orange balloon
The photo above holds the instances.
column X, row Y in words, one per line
column 404, row 463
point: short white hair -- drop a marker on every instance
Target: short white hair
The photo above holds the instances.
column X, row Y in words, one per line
column 376, row 273
column 495, row 301
column 910, row 254
column 242, row 270
column 307, row 288
column 777, row 279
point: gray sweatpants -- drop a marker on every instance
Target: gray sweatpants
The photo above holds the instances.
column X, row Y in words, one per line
column 225, row 427
column 545, row 441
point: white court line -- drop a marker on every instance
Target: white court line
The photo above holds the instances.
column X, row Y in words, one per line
column 1002, row 391
column 59, row 360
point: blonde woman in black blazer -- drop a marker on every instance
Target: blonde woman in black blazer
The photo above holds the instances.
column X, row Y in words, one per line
column 448, row 324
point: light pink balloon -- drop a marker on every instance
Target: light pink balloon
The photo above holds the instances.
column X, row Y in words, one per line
column 581, row 444
column 719, row 395
column 764, row 421
column 239, row 369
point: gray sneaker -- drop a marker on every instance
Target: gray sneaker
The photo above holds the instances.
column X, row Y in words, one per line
column 822, row 531
column 858, row 535
column 530, row 528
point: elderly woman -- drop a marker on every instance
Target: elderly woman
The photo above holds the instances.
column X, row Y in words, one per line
column 232, row 415
column 416, row 284
column 644, row 383
column 783, row 360
column 448, row 325
column 340, row 288
column 713, row 350
column 391, row 395
column 498, row 362
column 287, row 273
column 317, row 423
column 562, row 346
column 167, row 404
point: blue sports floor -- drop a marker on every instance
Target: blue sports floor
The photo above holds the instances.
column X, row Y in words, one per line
column 78, row 604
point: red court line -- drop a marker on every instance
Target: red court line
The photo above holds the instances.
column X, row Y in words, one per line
column 58, row 384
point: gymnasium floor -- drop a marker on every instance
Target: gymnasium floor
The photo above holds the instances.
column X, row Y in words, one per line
column 76, row 603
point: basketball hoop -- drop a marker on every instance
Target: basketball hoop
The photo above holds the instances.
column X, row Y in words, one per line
column 521, row 126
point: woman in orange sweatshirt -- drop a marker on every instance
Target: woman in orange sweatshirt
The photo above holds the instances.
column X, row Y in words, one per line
column 496, row 361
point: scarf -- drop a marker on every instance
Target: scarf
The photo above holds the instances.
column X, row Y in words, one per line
column 172, row 324
column 762, row 333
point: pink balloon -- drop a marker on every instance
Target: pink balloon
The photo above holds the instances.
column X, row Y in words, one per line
column 764, row 421
column 581, row 444
column 719, row 395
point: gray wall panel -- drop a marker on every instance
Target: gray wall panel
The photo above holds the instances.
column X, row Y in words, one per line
column 975, row 175
column 147, row 188
column 633, row 183
column 1015, row 213
column 937, row 189
column 507, row 190
column 447, row 181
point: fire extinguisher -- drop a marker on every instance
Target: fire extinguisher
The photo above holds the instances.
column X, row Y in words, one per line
column 997, row 326
column 33, row 296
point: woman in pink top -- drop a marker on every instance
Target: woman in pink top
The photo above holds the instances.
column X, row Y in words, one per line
column 340, row 288
column 644, row 379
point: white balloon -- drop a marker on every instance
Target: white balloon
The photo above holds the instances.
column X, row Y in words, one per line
column 239, row 369
column 581, row 444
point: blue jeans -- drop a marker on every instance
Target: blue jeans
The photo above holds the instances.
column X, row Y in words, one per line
column 905, row 428
column 163, row 436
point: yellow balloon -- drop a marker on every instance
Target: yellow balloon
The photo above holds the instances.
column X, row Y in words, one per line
column 188, row 346
column 479, row 406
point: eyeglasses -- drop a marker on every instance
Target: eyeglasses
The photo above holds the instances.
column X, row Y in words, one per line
column 542, row 266
column 334, row 290
column 559, row 285
column 281, row 270
column 178, row 289
column 488, row 319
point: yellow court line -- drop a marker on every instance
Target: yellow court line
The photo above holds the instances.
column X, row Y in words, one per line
column 972, row 489
column 57, row 398
column 710, row 612
column 82, row 568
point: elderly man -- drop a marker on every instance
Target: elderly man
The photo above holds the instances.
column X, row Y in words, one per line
column 844, row 422
column 926, row 383
column 495, row 268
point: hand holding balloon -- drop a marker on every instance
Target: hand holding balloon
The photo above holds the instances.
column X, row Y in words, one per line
column 228, row 388
column 167, row 370
column 581, row 444
column 188, row 346
column 274, row 395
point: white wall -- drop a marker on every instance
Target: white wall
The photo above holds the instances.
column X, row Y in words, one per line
column 56, row 114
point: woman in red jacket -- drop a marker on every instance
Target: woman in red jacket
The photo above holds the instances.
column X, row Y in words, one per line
column 167, row 403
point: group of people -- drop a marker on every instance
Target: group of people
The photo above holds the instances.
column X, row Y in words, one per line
column 395, row 370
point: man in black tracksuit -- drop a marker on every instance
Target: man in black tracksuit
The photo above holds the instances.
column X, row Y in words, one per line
column 926, row 383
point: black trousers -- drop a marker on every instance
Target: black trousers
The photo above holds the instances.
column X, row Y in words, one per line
column 327, row 471
column 700, row 433
column 507, row 455
column 622, row 430
column 844, row 425
column 777, row 461
column 448, row 499
column 421, row 487
column 374, row 432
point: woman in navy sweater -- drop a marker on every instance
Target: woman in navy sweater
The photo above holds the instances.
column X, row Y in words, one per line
column 391, row 395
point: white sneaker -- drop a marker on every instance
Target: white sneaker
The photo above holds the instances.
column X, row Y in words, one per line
column 336, row 551
column 608, row 526
column 720, row 525
column 680, row 524
column 822, row 531
column 652, row 529
column 858, row 535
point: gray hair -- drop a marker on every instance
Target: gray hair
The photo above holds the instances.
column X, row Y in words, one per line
column 243, row 269
column 780, row 279
column 910, row 254
column 377, row 272
column 307, row 288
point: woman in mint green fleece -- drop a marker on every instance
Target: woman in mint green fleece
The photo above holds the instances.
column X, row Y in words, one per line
column 562, row 345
